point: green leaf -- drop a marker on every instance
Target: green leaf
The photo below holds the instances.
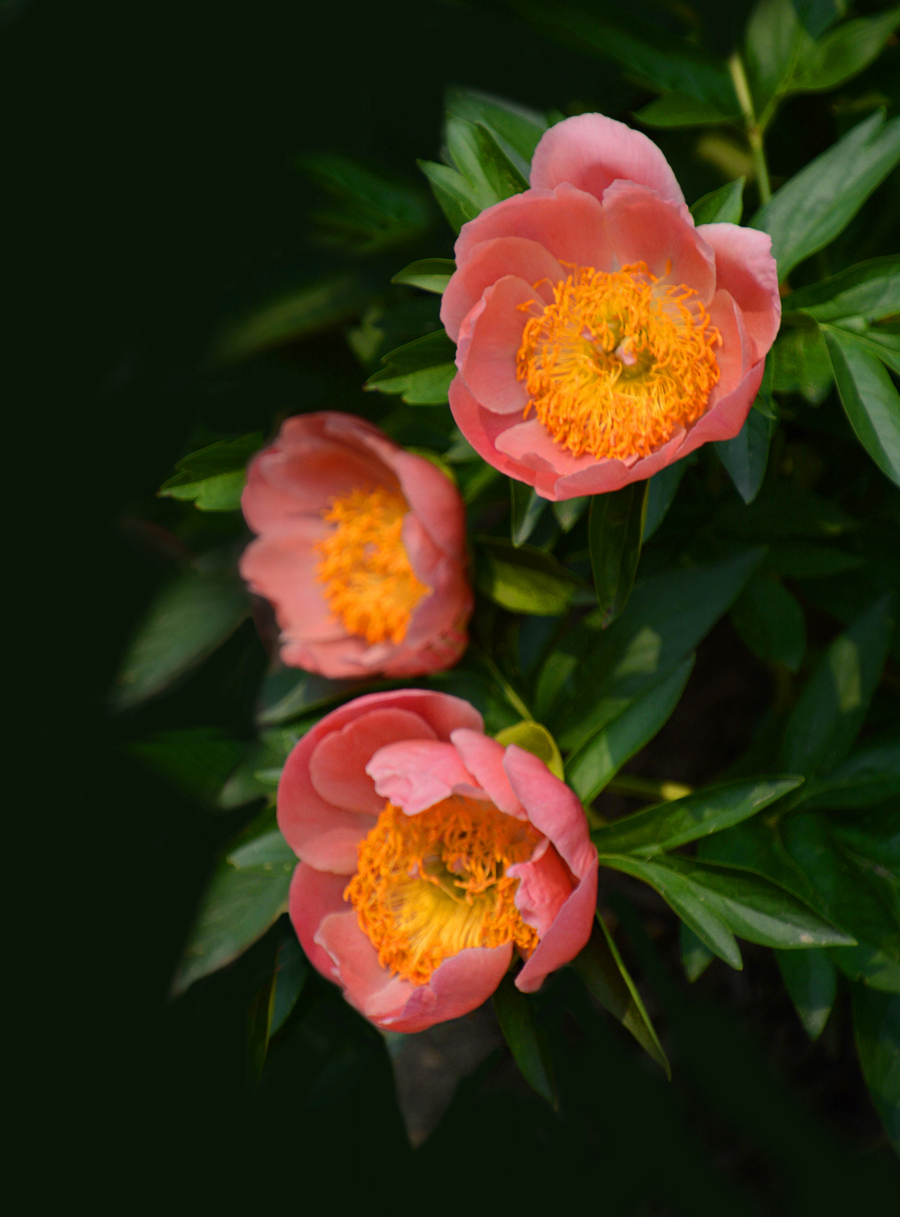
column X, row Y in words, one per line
column 869, row 775
column 749, row 905
column 811, row 980
column 527, row 508
column 773, row 41
column 801, row 361
column 783, row 509
column 615, row 529
column 534, row 738
column 605, row 976
column 876, row 1023
column 852, row 893
column 746, row 455
column 679, row 110
column 815, row 205
column 661, row 491
column 371, row 212
column 869, row 289
column 594, row 674
column 248, row 893
column 291, row 975
column 525, row 1042
column 196, row 760
column 771, row 622
column 827, row 718
column 189, row 619
column 490, row 173
column 287, row 694
column 695, row 956
column 598, row 760
column 844, row 52
column 870, row 400
column 455, row 196
column 523, row 579
column 515, row 128
column 420, row 371
column 569, row 511
column 307, row 310
column 430, row 274
column 806, row 560
column 722, row 206
column 669, row 825
column 650, row 54
column 214, row 477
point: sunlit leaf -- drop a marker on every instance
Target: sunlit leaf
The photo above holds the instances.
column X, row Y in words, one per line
column 515, row 128
column 214, row 477
column 523, row 579
column 722, row 206
column 430, row 274
column 533, row 738
column 420, row 371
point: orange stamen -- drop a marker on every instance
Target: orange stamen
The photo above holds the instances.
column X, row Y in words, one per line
column 369, row 583
column 616, row 364
column 430, row 885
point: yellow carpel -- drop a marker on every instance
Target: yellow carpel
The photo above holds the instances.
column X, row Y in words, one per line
column 617, row 363
column 369, row 582
column 430, row 885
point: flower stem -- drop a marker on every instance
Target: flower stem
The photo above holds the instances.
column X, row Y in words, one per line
column 753, row 127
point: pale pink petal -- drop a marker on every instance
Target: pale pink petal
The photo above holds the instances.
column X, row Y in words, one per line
column 337, row 765
column 568, row 934
column 552, row 808
column 446, row 611
column 435, row 502
column 416, row 774
column 313, row 896
column 569, row 224
column 544, row 886
column 355, row 966
column 483, row 758
column 746, row 269
column 488, row 359
column 493, row 260
column 424, row 553
column 609, row 475
column 462, row 983
column 481, row 428
column 591, row 151
column 282, row 568
column 643, row 227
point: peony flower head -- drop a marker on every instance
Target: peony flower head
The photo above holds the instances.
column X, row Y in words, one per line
column 429, row 854
column 600, row 334
column 361, row 550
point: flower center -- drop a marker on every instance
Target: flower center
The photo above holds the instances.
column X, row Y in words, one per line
column 616, row 364
column 430, row 885
column 369, row 583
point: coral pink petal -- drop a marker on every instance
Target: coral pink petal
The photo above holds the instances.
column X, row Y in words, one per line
column 340, row 659
column 544, row 887
column 416, row 774
column 725, row 420
column 609, row 475
column 488, row 360
column 552, row 808
column 746, row 269
column 282, row 567
column 569, row 224
column 435, row 502
column 645, row 228
column 282, row 485
column 493, row 260
column 337, row 766
column 591, row 151
column 482, row 429
column 568, row 934
column 462, row 983
column 367, row 985
column 313, row 896
column 483, row 758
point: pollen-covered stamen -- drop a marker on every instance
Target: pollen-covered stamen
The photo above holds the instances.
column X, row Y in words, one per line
column 430, row 885
column 617, row 362
column 369, row 583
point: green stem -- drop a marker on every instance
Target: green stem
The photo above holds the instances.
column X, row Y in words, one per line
column 646, row 788
column 754, row 128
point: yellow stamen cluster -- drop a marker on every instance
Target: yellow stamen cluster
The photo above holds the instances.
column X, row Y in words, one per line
column 432, row 884
column 617, row 363
column 369, row 583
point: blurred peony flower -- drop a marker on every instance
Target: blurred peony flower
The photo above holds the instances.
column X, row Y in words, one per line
column 361, row 550
column 601, row 335
column 429, row 854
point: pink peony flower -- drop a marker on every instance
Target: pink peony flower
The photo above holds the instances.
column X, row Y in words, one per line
column 429, row 854
column 601, row 335
column 361, row 550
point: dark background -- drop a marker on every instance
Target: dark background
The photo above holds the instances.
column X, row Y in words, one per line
column 151, row 150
